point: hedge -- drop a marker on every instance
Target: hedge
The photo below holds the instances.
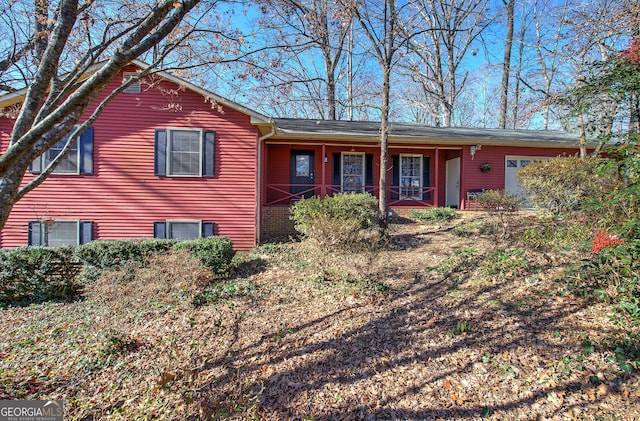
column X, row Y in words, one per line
column 113, row 253
column 215, row 253
column 36, row 274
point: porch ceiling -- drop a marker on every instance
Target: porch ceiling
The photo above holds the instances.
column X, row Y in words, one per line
column 368, row 131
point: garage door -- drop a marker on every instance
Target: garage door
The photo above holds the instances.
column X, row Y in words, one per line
column 512, row 166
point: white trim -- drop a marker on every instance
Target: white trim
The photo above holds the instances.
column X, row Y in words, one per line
column 421, row 171
column 169, row 152
column 342, row 155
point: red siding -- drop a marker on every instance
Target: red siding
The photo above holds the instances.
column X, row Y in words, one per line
column 495, row 155
column 123, row 197
column 278, row 165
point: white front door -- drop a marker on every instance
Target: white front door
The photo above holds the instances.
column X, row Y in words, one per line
column 452, row 195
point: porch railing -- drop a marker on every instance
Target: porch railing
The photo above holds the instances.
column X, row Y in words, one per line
column 282, row 194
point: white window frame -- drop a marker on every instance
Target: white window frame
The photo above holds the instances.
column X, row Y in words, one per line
column 182, row 221
column 169, row 152
column 342, row 186
column 135, row 88
column 420, row 172
column 45, row 161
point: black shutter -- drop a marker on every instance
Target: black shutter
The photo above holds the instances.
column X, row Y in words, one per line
column 368, row 172
column 159, row 230
column 160, row 153
column 395, row 176
column 208, row 153
column 34, row 236
column 86, row 231
column 426, row 176
column 85, row 148
column 207, row 229
column 336, row 172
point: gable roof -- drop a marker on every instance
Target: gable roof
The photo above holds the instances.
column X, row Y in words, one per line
column 17, row 96
column 367, row 131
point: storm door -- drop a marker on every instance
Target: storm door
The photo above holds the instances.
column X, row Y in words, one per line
column 302, row 173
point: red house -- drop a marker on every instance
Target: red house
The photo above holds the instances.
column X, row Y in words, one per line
column 168, row 159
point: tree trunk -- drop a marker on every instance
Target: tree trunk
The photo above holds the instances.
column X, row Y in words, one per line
column 331, row 95
column 9, row 188
column 383, row 207
column 518, row 75
column 634, row 118
column 506, row 64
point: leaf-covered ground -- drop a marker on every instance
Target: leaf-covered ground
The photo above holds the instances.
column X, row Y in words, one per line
column 447, row 323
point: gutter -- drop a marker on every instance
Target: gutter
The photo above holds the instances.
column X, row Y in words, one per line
column 261, row 139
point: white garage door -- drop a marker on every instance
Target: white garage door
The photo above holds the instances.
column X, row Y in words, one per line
column 512, row 166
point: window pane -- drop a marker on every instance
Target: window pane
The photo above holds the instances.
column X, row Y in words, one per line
column 512, row 163
column 303, row 168
column 184, row 230
column 184, row 153
column 69, row 165
column 352, row 173
column 410, row 174
column 62, row 234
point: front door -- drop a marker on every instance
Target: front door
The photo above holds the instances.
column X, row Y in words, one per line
column 302, row 173
column 452, row 194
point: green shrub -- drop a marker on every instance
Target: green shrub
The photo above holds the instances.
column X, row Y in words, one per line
column 337, row 221
column 434, row 214
column 36, row 274
column 613, row 272
column 215, row 253
column 555, row 236
column 500, row 205
column 115, row 253
column 562, row 184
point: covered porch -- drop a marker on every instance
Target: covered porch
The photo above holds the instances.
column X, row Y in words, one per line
column 418, row 176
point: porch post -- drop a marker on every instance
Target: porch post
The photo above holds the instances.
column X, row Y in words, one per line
column 323, row 190
column 436, row 192
column 462, row 198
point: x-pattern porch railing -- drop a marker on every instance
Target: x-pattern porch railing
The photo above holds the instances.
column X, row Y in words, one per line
column 281, row 194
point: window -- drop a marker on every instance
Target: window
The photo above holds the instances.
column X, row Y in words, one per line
column 59, row 233
column 134, row 88
column 79, row 160
column 303, row 165
column 184, row 152
column 410, row 176
column 352, row 172
column 182, row 230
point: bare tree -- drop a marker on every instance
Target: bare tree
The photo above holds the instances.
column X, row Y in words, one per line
column 506, row 63
column 598, row 31
column 451, row 27
column 66, row 52
column 305, row 44
column 384, row 23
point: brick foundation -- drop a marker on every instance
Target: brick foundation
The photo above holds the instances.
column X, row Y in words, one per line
column 276, row 222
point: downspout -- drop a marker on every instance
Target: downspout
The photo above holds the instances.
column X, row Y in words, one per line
column 261, row 139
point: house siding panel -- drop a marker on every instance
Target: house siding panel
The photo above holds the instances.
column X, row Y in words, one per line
column 123, row 196
column 494, row 179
